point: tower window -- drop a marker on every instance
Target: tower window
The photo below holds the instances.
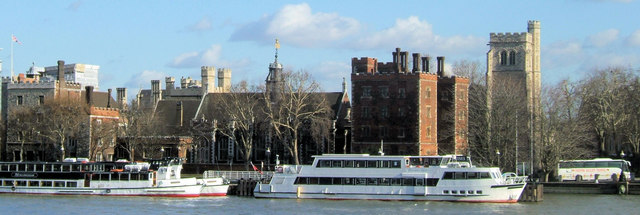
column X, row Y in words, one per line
column 503, row 58
column 19, row 100
column 512, row 58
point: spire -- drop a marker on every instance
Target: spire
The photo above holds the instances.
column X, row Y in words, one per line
column 277, row 47
column 344, row 85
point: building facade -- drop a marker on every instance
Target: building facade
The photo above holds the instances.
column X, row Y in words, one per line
column 83, row 74
column 395, row 108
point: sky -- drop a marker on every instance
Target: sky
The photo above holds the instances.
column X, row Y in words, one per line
column 134, row 42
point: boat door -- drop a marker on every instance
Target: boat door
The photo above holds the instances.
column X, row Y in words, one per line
column 87, row 179
column 420, row 189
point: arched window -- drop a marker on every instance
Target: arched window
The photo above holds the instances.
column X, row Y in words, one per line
column 503, row 58
column 512, row 58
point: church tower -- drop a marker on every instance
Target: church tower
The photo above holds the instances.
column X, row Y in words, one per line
column 513, row 66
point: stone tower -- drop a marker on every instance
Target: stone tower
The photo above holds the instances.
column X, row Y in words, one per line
column 224, row 79
column 208, row 78
column 513, row 65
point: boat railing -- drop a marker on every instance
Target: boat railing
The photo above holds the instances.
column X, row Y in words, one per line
column 234, row 176
column 512, row 178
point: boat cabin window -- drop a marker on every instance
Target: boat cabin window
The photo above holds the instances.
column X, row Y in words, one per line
column 416, row 161
column 460, row 175
column 448, row 175
column 72, row 184
column 395, row 164
column 336, row 163
column 4, row 167
column 407, row 182
column 324, row 163
column 473, row 175
column 360, row 164
column 347, row 181
column 360, row 181
column 46, row 183
column 484, row 175
column 396, row 181
column 326, row 181
column 372, row 164
column 384, row 164
column 384, row 181
column 34, row 183
column 420, row 182
column 348, row 164
column 58, row 183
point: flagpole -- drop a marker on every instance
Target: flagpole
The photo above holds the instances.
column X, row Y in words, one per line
column 11, row 77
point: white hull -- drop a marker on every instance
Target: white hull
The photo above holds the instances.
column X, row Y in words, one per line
column 213, row 187
column 175, row 191
column 499, row 195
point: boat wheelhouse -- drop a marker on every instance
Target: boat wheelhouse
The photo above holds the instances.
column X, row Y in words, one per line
column 154, row 178
column 361, row 176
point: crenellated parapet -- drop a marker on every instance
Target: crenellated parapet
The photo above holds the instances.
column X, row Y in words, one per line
column 510, row 37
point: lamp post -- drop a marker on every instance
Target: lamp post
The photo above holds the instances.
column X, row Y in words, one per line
column 498, row 154
column 268, row 158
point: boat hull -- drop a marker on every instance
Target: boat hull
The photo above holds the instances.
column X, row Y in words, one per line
column 506, row 194
column 175, row 191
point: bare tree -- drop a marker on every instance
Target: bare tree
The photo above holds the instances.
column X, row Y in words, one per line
column 137, row 124
column 103, row 133
column 603, row 102
column 296, row 102
column 240, row 108
column 564, row 132
column 62, row 119
column 23, row 126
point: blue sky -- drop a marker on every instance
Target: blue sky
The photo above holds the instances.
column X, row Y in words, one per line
column 136, row 41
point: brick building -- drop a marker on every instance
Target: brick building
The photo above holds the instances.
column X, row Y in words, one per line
column 401, row 108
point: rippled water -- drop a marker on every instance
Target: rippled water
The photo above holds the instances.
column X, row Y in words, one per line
column 552, row 204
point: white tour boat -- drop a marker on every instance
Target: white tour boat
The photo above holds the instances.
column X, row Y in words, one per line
column 438, row 178
column 157, row 178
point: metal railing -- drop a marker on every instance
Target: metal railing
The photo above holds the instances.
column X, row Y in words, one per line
column 234, row 176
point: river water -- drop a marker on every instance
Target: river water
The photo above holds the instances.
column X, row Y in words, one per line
column 85, row 205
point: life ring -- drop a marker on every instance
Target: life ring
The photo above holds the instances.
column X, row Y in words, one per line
column 108, row 190
column 13, row 188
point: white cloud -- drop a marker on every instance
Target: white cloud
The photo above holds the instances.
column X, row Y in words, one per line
column 330, row 73
column 299, row 26
column 210, row 56
column 634, row 38
column 604, row 38
column 413, row 33
column 203, row 25
column 143, row 79
column 562, row 54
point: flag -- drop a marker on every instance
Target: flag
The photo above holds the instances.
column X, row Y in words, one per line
column 255, row 168
column 15, row 39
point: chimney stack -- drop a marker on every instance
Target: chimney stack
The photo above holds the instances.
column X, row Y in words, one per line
column 109, row 98
column 405, row 61
column 121, row 93
column 180, row 113
column 397, row 59
column 89, row 94
column 416, row 62
column 440, row 66
column 61, row 73
column 425, row 64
